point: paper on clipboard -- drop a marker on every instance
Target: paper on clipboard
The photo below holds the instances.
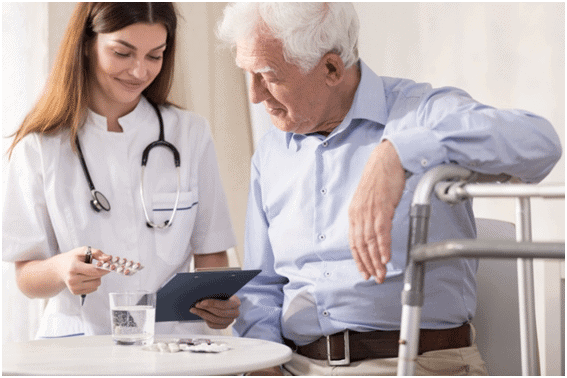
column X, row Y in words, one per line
column 183, row 290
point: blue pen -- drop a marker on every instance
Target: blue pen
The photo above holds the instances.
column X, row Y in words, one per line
column 88, row 260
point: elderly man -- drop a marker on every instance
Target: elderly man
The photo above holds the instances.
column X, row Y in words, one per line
column 331, row 187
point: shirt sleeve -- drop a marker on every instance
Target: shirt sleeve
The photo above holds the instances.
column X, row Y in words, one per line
column 451, row 127
column 213, row 230
column 261, row 298
column 27, row 233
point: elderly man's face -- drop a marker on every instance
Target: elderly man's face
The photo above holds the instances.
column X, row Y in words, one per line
column 295, row 102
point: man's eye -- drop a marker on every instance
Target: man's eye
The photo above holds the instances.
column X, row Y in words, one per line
column 270, row 79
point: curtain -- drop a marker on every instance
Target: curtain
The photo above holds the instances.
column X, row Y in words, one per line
column 208, row 82
column 24, row 71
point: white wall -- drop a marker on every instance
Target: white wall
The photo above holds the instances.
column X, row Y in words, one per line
column 508, row 55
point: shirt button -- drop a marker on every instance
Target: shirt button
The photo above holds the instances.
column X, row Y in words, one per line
column 323, row 191
column 327, row 274
column 325, row 144
column 322, row 237
column 325, row 313
column 424, row 162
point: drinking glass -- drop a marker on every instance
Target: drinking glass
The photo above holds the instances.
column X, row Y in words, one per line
column 132, row 317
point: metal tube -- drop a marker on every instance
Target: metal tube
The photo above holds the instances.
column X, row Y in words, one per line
column 409, row 340
column 509, row 190
column 528, row 336
column 496, row 249
column 424, row 188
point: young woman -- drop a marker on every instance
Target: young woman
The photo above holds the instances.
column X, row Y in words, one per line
column 76, row 181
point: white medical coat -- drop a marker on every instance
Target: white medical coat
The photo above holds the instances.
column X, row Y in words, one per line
column 47, row 210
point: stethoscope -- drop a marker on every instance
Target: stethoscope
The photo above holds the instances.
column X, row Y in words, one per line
column 99, row 201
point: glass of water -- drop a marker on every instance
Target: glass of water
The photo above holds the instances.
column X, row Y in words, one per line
column 133, row 317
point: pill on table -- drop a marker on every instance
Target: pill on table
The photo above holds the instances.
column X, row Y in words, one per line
column 162, row 347
column 173, row 347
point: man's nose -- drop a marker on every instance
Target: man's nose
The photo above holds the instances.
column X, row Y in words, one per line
column 257, row 91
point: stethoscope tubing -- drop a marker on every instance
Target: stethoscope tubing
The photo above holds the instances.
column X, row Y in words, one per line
column 99, row 201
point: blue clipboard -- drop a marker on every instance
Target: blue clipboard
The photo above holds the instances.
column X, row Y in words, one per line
column 179, row 294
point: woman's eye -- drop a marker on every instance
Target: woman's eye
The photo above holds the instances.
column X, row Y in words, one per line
column 153, row 57
column 122, row 55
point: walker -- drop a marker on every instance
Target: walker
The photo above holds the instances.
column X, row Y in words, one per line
column 452, row 184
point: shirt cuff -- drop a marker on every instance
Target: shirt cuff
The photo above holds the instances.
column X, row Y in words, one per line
column 418, row 150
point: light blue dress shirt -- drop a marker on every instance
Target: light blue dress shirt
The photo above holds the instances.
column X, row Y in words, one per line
column 302, row 185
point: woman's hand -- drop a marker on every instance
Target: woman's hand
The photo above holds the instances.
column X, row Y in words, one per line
column 218, row 314
column 78, row 276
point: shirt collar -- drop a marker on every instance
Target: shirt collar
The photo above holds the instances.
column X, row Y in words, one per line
column 131, row 121
column 369, row 103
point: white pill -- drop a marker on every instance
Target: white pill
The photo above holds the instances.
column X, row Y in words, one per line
column 162, row 347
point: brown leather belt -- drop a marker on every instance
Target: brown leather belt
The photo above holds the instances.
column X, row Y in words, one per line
column 378, row 344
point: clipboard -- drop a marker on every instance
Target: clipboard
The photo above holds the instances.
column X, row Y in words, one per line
column 183, row 290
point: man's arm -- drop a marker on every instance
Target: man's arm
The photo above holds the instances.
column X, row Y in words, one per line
column 262, row 297
column 449, row 127
column 372, row 210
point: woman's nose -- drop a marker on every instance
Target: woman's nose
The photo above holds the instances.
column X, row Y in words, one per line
column 139, row 69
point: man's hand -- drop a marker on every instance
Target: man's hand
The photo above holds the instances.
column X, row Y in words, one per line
column 218, row 314
column 372, row 210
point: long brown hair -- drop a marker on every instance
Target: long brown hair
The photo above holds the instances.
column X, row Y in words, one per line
column 64, row 101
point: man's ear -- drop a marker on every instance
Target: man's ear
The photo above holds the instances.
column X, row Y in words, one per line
column 334, row 69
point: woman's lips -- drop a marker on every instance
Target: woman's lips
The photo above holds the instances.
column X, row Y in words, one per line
column 131, row 85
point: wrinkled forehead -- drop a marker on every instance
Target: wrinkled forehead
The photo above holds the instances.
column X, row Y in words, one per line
column 259, row 54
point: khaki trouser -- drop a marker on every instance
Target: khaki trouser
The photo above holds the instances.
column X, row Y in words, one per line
column 458, row 361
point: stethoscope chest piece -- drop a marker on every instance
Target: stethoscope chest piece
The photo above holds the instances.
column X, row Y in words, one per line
column 99, row 201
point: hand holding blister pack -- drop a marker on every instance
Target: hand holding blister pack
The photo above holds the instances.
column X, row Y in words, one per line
column 119, row 265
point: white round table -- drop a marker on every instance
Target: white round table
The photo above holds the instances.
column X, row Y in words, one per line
column 97, row 355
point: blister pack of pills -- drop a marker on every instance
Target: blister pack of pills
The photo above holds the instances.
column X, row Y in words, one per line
column 119, row 265
column 190, row 345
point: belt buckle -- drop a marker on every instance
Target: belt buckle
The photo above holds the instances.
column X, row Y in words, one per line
column 346, row 360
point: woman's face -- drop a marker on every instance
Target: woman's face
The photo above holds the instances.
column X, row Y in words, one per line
column 124, row 63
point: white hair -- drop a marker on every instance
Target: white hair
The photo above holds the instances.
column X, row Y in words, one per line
column 307, row 31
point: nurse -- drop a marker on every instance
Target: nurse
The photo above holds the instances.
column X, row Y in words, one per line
column 116, row 59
